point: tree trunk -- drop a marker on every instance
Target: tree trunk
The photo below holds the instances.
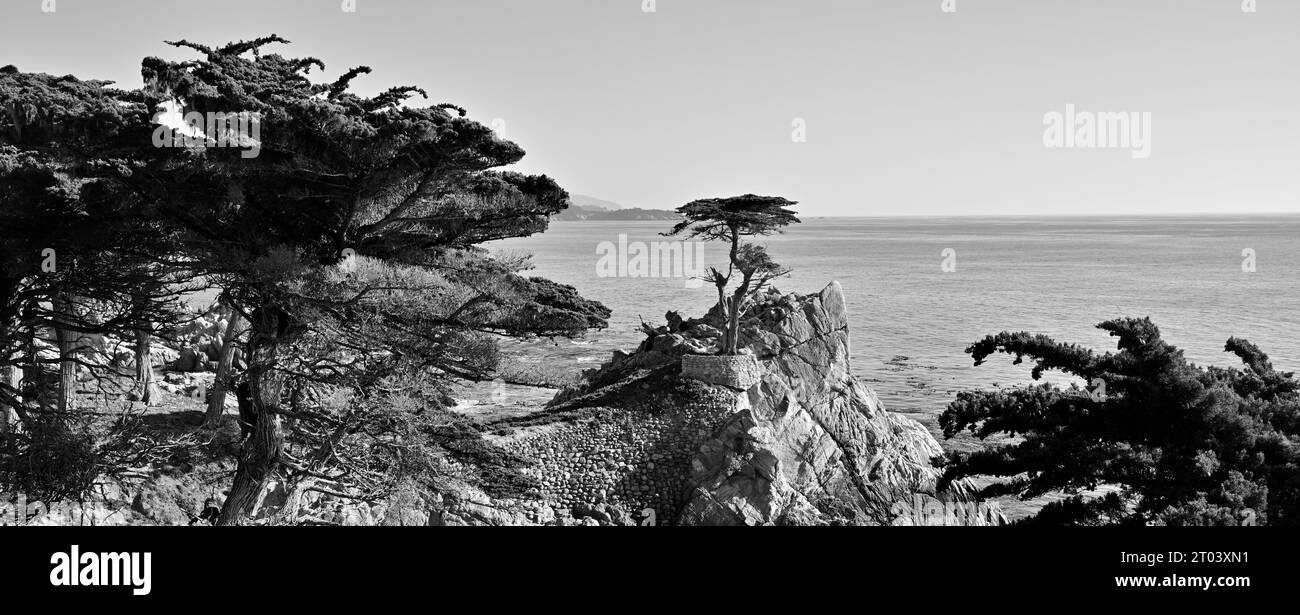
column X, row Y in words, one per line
column 733, row 327
column 261, row 450
column 722, row 309
column 143, row 354
column 33, row 377
column 288, row 514
column 9, row 382
column 8, row 373
column 67, row 341
column 144, row 367
column 737, row 303
column 733, row 318
column 217, row 402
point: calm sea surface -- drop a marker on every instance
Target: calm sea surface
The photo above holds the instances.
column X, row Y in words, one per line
column 910, row 321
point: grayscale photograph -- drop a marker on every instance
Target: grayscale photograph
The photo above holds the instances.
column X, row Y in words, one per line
column 651, row 263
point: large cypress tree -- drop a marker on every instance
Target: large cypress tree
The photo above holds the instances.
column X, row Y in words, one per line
column 1152, row 439
column 82, row 260
column 80, row 253
column 350, row 242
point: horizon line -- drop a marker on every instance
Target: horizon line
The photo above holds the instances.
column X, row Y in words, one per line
column 1006, row 215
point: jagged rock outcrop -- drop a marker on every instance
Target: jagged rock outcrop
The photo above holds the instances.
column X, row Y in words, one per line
column 662, row 432
column 810, row 444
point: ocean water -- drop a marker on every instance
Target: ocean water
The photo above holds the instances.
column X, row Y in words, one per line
column 910, row 321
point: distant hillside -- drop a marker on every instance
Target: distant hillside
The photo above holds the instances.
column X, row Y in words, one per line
column 593, row 203
column 583, row 207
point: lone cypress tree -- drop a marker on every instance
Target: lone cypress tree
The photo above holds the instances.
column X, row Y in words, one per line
column 730, row 220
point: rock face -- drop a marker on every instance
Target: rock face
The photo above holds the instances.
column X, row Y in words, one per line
column 811, row 444
column 781, row 435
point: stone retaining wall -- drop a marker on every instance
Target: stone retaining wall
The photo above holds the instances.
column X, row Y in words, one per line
column 737, row 372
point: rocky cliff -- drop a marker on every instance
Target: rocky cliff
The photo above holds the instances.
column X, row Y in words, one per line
column 804, row 443
column 809, row 444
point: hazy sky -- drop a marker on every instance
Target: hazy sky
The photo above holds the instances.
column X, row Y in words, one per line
column 909, row 110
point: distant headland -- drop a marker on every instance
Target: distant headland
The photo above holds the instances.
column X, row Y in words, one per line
column 583, row 207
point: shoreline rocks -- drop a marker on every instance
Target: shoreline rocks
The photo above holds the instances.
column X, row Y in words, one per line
column 781, row 435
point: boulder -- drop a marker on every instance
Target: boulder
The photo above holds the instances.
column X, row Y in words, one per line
column 189, row 360
column 212, row 350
